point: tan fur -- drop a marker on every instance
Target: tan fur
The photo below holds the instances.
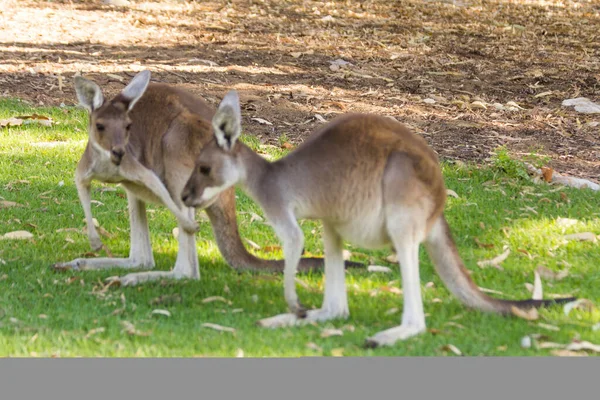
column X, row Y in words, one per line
column 169, row 127
column 372, row 182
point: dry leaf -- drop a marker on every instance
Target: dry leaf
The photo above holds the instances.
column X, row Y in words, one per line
column 530, row 315
column 392, row 258
column 10, row 122
column 216, row 298
column 338, row 352
column 484, row 245
column 325, row 333
column 7, row 204
column 543, row 94
column 452, row 193
column 548, row 327
column 547, row 174
column 576, row 346
column 129, row 328
column 287, row 145
column 313, row 346
column 251, row 243
column 161, row 312
column 479, row 104
column 392, row 311
column 378, row 268
column 239, row 353
column 271, row 249
column 548, row 274
column 17, row 235
column 495, row 262
column 550, row 345
column 568, row 353
column 218, row 327
column 452, row 348
column 94, row 331
column 583, row 237
column 346, row 254
column 261, row 121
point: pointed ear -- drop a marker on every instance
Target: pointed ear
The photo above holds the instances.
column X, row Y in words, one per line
column 227, row 121
column 136, row 88
column 88, row 93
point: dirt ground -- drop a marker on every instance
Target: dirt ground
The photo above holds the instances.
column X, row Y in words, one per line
column 438, row 66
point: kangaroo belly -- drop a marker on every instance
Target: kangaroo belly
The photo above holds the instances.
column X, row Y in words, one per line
column 367, row 230
column 142, row 192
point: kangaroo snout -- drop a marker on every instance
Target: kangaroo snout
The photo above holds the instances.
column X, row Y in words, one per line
column 116, row 155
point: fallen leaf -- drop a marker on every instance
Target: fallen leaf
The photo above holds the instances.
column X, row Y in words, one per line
column 17, row 235
column 219, row 328
column 576, row 346
column 378, row 268
column 338, row 352
column 261, row 121
column 543, row 94
column 583, row 237
column 479, row 104
column 129, row 328
column 392, row 311
column 548, row 327
column 484, row 245
column 216, row 298
column 313, row 346
column 582, row 105
column 251, row 243
column 239, row 353
column 392, row 258
column 495, row 262
column 566, row 222
column 568, row 353
column 452, row 348
column 271, row 249
column 547, row 173
column 287, row 145
column 325, row 333
column 346, row 254
column 10, row 122
column 452, row 193
column 166, row 299
column 550, row 345
column 530, row 315
column 161, row 312
column 548, row 274
column 8, row 204
column 94, row 331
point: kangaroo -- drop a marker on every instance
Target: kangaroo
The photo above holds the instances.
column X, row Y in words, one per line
column 371, row 182
column 146, row 138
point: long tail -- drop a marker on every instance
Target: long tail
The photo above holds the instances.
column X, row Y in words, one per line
column 448, row 264
column 224, row 222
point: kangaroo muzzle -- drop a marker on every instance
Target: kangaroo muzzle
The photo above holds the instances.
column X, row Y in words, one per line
column 116, row 155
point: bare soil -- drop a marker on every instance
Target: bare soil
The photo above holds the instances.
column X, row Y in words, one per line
column 438, row 66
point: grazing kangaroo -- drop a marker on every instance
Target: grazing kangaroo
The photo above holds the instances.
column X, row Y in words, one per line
column 370, row 181
column 146, row 138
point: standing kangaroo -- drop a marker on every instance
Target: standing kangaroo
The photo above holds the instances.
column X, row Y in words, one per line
column 146, row 138
column 370, row 181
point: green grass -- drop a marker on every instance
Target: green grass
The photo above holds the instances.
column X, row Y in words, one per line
column 47, row 313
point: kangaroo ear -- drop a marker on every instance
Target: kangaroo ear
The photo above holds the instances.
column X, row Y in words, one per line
column 136, row 88
column 227, row 121
column 88, row 93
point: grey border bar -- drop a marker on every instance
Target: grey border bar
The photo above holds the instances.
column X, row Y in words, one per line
column 304, row 378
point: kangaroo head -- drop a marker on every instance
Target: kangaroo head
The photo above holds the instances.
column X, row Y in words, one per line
column 217, row 167
column 109, row 123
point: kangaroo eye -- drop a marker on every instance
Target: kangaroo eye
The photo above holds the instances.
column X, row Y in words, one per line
column 100, row 127
column 128, row 127
column 204, row 170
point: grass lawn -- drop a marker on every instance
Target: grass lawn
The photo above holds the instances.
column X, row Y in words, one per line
column 48, row 313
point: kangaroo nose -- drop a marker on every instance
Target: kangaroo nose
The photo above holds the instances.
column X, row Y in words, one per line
column 117, row 155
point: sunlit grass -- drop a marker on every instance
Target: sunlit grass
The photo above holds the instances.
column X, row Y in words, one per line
column 46, row 313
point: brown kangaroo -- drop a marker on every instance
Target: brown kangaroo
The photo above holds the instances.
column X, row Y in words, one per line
column 146, row 138
column 370, row 181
